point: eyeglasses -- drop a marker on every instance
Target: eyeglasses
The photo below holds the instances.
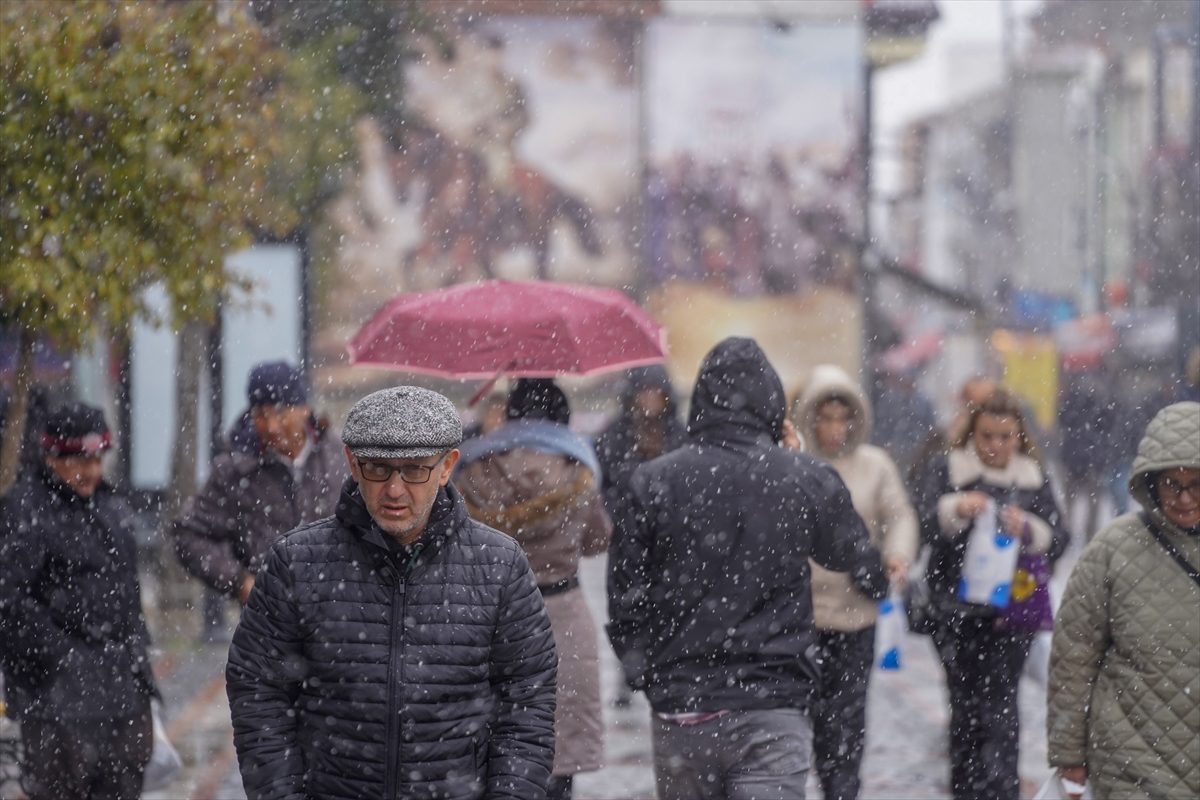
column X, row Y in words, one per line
column 1176, row 489
column 409, row 473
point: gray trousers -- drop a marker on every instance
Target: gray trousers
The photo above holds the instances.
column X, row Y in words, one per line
column 743, row 755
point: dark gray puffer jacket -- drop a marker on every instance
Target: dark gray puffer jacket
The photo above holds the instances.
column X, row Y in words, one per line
column 361, row 671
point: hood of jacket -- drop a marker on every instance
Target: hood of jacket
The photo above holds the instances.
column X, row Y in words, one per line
column 1171, row 441
column 654, row 376
column 828, row 382
column 738, row 394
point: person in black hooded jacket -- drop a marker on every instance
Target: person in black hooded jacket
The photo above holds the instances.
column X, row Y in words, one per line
column 73, row 637
column 398, row 649
column 709, row 587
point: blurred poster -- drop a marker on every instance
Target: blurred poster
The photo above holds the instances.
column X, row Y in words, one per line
column 519, row 160
column 753, row 187
column 754, row 183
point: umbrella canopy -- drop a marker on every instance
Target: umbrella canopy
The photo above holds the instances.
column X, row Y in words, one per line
column 530, row 329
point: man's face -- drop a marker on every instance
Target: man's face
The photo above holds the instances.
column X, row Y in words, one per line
column 399, row 507
column 281, row 428
column 650, row 404
column 1179, row 496
column 82, row 473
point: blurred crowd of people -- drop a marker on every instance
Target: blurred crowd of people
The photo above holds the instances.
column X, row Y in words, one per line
column 751, row 228
column 393, row 642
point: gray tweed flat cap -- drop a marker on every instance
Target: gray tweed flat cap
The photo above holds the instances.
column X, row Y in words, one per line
column 404, row 422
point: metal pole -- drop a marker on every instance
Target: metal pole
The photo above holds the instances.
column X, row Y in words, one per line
column 216, row 373
column 868, row 103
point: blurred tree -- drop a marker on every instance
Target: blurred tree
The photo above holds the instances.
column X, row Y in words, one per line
column 137, row 141
column 346, row 60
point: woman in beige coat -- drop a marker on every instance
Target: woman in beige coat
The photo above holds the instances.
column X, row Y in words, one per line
column 537, row 481
column 1124, row 689
column 833, row 417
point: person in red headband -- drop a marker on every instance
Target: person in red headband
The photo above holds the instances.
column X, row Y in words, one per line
column 74, row 654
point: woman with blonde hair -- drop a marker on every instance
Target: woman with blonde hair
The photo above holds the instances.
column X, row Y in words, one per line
column 993, row 459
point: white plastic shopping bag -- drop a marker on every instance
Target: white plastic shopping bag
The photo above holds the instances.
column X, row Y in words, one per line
column 989, row 562
column 165, row 762
column 890, row 627
column 1053, row 789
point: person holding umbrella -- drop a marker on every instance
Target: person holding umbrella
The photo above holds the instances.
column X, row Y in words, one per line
column 536, row 480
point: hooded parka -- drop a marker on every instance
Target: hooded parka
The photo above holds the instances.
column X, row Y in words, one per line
column 877, row 491
column 709, row 589
column 549, row 503
column 365, row 670
column 1124, row 688
column 617, row 445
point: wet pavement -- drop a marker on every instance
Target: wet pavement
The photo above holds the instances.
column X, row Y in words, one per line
column 905, row 750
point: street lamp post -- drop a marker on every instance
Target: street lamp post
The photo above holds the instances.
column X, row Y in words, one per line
column 894, row 31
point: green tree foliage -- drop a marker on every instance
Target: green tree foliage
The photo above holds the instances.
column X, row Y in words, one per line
column 137, row 141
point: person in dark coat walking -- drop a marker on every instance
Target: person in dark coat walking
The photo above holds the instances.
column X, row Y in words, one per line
column 993, row 460
column 709, row 588
column 73, row 638
column 398, row 648
column 284, row 468
column 647, row 427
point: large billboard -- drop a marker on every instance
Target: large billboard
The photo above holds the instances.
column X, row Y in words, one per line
column 520, row 160
column 698, row 163
column 753, row 197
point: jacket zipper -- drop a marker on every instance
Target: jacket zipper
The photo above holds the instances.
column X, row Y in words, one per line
column 395, row 672
column 395, row 659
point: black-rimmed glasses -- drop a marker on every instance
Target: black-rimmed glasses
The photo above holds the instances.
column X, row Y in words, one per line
column 409, row 473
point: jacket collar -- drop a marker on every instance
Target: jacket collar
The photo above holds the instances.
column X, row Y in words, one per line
column 965, row 467
column 448, row 514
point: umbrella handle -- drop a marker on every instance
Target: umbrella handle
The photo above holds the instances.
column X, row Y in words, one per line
column 488, row 384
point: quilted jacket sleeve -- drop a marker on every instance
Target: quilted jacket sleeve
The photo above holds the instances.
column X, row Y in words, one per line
column 524, row 673
column 263, row 682
column 208, row 521
column 1081, row 638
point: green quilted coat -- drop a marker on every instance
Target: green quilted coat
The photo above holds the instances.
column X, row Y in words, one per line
column 1124, row 688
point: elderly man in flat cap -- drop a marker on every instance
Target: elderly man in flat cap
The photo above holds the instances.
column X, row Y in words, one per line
column 398, row 648
column 72, row 635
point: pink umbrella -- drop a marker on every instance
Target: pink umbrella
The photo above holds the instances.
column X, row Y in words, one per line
column 530, row 329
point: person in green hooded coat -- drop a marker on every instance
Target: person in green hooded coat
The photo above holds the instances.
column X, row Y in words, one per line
column 1124, row 689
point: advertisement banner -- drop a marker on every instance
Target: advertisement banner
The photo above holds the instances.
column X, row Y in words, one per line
column 519, row 160
column 754, row 187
